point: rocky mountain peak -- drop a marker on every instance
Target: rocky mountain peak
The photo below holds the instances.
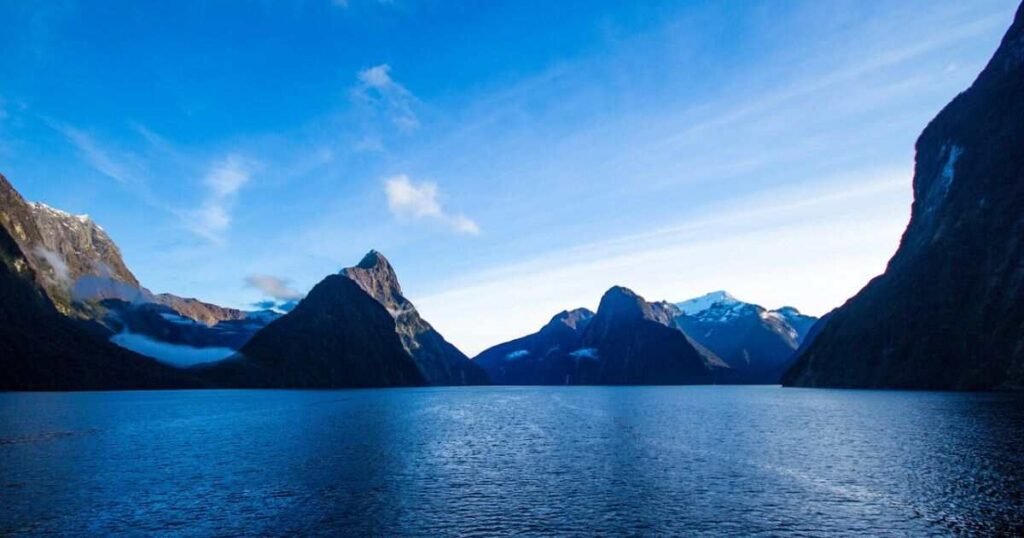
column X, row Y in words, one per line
column 574, row 319
column 377, row 277
column 623, row 303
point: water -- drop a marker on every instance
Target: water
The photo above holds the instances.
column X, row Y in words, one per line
column 502, row 461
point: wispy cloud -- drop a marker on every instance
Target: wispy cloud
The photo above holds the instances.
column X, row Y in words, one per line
column 104, row 161
column 377, row 88
column 59, row 267
column 407, row 199
column 277, row 288
column 222, row 183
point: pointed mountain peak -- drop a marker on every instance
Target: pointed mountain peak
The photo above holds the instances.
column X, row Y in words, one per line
column 375, row 260
column 623, row 303
column 376, row 277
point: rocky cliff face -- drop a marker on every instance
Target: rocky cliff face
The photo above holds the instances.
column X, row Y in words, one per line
column 205, row 313
column 758, row 344
column 84, row 249
column 440, row 362
column 542, row 358
column 948, row 311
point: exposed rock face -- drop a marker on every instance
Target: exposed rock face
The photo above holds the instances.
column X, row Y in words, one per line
column 542, row 358
column 440, row 362
column 206, row 313
column 40, row 349
column 85, row 250
column 948, row 313
column 18, row 219
column 757, row 344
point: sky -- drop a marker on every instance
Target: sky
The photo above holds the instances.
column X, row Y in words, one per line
column 511, row 158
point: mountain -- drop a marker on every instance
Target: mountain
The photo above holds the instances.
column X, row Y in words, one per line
column 82, row 271
column 338, row 336
column 546, row 357
column 629, row 341
column 948, row 313
column 354, row 329
column 757, row 344
column 440, row 362
column 41, row 349
column 632, row 342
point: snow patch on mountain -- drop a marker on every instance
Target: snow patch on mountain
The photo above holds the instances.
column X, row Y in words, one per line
column 585, row 353
column 700, row 304
column 65, row 217
column 517, row 355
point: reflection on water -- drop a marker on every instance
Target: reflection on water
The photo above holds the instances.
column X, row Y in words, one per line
column 544, row 460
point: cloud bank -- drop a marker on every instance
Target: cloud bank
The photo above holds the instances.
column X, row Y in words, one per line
column 173, row 354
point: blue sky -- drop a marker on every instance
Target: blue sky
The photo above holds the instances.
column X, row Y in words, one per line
column 512, row 159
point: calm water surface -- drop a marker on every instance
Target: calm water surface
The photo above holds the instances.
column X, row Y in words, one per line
column 496, row 461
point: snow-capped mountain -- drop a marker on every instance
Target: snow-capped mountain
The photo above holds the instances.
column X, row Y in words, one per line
column 706, row 301
column 757, row 343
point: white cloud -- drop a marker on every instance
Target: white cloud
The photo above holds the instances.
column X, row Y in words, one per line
column 98, row 158
column 276, row 288
column 420, row 200
column 377, row 88
column 222, row 183
column 61, row 273
column 174, row 354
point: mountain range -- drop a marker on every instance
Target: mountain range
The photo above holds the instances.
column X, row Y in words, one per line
column 946, row 314
column 631, row 341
